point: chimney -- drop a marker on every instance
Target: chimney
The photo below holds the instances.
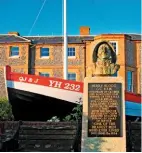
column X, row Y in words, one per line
column 14, row 33
column 84, row 30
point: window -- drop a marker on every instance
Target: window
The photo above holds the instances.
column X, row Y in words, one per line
column 72, row 76
column 130, row 81
column 14, row 51
column 115, row 46
column 44, row 52
column 45, row 74
column 71, row 51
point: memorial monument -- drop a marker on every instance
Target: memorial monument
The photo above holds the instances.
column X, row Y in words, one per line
column 103, row 124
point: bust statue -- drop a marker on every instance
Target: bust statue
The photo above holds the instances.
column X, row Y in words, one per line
column 104, row 60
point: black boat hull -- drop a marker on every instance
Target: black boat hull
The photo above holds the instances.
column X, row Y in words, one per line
column 29, row 106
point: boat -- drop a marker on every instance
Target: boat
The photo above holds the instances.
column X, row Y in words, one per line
column 39, row 98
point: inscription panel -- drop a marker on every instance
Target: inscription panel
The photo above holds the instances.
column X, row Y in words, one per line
column 104, row 110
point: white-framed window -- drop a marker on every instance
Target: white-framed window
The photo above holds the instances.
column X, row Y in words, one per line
column 115, row 46
column 72, row 76
column 44, row 52
column 14, row 51
column 71, row 51
column 45, row 74
column 130, row 81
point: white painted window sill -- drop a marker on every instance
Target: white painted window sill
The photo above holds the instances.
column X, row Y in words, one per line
column 14, row 57
column 72, row 57
column 44, row 57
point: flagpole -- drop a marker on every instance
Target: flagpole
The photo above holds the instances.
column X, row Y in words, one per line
column 65, row 56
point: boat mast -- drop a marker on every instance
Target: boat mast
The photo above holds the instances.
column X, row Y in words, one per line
column 65, row 55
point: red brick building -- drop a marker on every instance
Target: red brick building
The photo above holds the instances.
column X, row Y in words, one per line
column 43, row 55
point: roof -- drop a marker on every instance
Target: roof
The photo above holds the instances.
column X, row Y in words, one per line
column 7, row 38
column 135, row 36
column 71, row 39
column 58, row 39
column 12, row 38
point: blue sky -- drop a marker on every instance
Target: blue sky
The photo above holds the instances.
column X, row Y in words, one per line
column 102, row 16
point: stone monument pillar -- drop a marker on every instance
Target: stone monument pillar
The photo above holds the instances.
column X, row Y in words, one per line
column 103, row 123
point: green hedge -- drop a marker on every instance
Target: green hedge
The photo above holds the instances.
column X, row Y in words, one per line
column 5, row 110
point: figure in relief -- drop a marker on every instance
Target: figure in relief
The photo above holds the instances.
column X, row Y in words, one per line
column 104, row 60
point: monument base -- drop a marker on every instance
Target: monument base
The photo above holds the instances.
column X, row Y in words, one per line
column 103, row 124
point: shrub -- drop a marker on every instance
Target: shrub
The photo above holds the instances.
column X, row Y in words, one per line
column 5, row 110
column 76, row 113
column 54, row 119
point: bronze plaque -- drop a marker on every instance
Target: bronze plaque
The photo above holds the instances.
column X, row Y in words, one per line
column 104, row 110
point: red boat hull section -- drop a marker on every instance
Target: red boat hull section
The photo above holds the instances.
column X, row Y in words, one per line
column 56, row 86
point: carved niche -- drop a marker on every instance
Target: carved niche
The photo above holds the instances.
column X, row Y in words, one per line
column 104, row 60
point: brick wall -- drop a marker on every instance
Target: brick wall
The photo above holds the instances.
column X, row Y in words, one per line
column 54, row 64
column 18, row 64
column 29, row 61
